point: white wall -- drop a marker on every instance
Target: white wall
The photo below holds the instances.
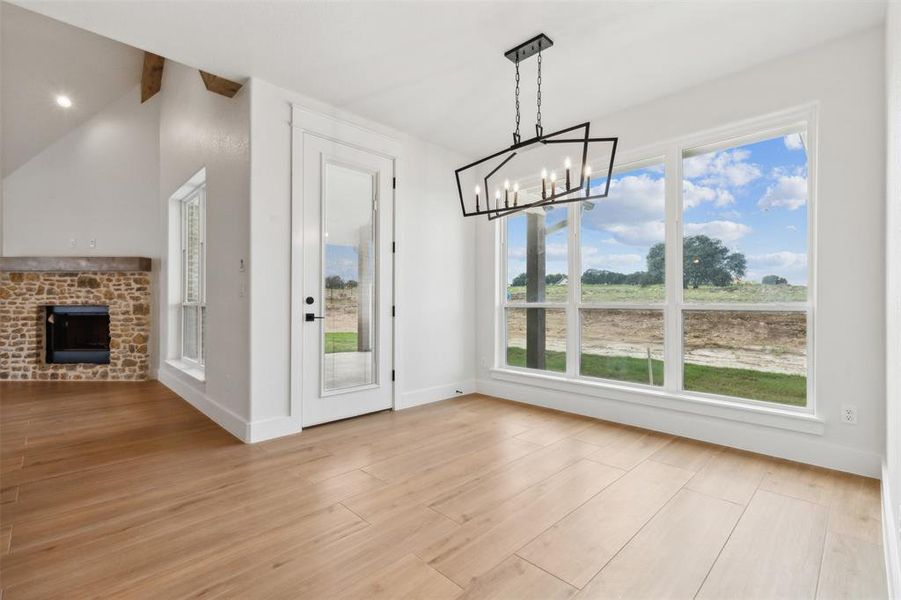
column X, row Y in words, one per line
column 202, row 129
column 100, row 181
column 891, row 477
column 846, row 78
column 435, row 263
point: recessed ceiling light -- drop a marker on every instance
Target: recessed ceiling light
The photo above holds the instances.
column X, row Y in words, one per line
column 64, row 101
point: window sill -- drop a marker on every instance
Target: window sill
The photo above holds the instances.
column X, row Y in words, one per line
column 190, row 369
column 781, row 418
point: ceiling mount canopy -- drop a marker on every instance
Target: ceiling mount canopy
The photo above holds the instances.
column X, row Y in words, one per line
column 525, row 175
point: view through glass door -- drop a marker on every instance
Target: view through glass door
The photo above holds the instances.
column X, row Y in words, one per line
column 348, row 270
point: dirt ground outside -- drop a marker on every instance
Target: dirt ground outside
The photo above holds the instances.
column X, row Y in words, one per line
column 774, row 342
column 760, row 341
column 341, row 310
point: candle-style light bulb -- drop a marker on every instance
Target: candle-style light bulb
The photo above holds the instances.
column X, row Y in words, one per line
column 553, row 183
column 478, row 189
column 497, row 199
column 543, row 183
column 515, row 194
column 587, row 180
column 506, row 193
column 567, row 164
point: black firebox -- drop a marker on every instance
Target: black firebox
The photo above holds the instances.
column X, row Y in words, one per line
column 77, row 334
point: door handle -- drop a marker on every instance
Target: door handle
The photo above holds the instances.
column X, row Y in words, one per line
column 311, row 317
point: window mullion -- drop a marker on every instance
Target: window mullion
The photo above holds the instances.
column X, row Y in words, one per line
column 500, row 261
column 574, row 292
column 673, row 314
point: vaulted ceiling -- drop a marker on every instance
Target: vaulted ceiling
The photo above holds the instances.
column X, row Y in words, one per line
column 42, row 58
column 436, row 70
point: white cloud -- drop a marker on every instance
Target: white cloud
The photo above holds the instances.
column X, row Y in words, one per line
column 728, row 231
column 790, row 192
column 693, row 195
column 791, row 228
column 625, row 263
column 779, row 260
column 639, row 234
column 793, row 141
column 632, row 199
column 723, row 168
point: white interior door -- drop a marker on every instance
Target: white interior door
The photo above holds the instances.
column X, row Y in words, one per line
column 347, row 281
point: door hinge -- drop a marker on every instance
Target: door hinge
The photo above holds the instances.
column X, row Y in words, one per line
column 392, row 374
column 392, row 310
column 393, row 247
column 394, row 183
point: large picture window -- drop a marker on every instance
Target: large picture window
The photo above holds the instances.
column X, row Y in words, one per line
column 744, row 268
column 193, row 262
column 699, row 288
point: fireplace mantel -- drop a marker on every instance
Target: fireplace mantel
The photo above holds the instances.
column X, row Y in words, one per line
column 74, row 264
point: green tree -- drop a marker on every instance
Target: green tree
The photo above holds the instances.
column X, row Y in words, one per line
column 656, row 263
column 707, row 261
column 554, row 278
column 774, row 280
column 334, row 282
column 520, row 280
column 602, row 277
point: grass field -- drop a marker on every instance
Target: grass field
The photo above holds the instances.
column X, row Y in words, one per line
column 340, row 341
column 726, row 381
column 743, row 292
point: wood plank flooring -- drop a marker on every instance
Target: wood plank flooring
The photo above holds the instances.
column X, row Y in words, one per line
column 122, row 490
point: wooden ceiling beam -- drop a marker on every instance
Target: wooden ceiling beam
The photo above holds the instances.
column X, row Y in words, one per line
column 152, row 77
column 220, row 85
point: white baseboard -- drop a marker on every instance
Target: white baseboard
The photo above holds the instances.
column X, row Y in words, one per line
column 890, row 538
column 791, row 445
column 192, row 392
column 269, row 429
column 435, row 394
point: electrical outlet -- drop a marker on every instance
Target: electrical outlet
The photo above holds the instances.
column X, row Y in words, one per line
column 849, row 414
column 72, row 242
column 92, row 243
column 483, row 362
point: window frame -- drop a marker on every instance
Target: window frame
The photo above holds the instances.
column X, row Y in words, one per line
column 199, row 192
column 672, row 152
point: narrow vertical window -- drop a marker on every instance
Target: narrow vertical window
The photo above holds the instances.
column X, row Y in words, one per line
column 193, row 301
column 623, row 271
column 537, row 288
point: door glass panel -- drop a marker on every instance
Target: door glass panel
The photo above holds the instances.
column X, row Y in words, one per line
column 349, row 279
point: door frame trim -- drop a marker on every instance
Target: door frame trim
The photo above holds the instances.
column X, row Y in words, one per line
column 305, row 121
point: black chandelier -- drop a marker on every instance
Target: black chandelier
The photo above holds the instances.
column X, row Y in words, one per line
column 524, row 175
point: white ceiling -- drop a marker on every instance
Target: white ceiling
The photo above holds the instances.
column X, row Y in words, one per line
column 42, row 58
column 436, row 70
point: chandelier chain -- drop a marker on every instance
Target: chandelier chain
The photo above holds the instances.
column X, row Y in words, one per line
column 539, row 90
column 516, row 133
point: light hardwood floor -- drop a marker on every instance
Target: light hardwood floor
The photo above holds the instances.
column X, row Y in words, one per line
column 124, row 491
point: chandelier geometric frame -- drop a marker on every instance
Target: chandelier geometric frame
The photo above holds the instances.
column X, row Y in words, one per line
column 490, row 169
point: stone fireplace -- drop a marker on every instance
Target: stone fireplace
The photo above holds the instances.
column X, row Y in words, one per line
column 54, row 311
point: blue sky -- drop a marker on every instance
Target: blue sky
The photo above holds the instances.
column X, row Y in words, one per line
column 342, row 260
column 752, row 197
